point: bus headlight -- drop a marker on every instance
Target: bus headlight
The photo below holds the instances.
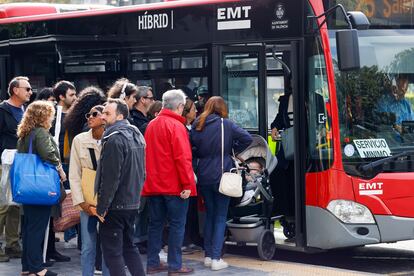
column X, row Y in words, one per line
column 350, row 212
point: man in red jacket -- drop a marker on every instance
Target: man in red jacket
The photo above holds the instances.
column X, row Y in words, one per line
column 169, row 182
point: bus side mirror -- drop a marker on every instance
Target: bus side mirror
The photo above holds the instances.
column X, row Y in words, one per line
column 358, row 20
column 348, row 49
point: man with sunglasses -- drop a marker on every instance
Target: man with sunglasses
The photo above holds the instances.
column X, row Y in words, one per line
column 144, row 98
column 11, row 113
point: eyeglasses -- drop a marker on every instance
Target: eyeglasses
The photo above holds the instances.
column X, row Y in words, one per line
column 149, row 98
column 93, row 114
column 28, row 89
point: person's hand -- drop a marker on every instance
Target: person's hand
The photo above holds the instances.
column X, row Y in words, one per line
column 274, row 134
column 94, row 213
column 85, row 207
column 185, row 194
column 62, row 175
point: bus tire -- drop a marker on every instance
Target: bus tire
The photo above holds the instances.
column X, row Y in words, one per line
column 266, row 245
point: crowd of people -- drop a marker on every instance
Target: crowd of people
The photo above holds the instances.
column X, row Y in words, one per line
column 153, row 161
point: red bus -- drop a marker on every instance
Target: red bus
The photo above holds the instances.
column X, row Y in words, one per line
column 29, row 9
column 353, row 170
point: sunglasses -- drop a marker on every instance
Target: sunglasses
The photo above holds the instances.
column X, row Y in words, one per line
column 28, row 89
column 93, row 114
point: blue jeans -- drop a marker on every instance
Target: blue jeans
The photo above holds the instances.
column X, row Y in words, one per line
column 217, row 206
column 174, row 209
column 88, row 234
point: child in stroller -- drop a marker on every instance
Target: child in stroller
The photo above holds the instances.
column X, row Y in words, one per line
column 253, row 174
column 251, row 218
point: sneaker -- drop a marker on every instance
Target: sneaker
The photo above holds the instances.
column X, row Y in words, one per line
column 98, row 272
column 218, row 264
column 163, row 256
column 13, row 252
column 207, row 261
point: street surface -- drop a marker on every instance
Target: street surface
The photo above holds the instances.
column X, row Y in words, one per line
column 385, row 259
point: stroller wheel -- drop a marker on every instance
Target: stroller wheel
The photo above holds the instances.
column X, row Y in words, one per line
column 266, row 245
column 289, row 230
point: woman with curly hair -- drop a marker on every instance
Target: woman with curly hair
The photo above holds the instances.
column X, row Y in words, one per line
column 125, row 90
column 35, row 126
column 75, row 121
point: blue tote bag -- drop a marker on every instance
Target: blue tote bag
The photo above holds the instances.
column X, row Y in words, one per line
column 33, row 181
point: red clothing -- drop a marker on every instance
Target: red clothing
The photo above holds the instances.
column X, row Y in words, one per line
column 168, row 156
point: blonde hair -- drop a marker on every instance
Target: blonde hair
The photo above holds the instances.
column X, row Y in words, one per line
column 38, row 114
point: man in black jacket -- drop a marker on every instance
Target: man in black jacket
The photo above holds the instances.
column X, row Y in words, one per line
column 144, row 99
column 119, row 180
column 11, row 113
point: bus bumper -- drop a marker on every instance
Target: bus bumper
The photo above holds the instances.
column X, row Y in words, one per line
column 394, row 228
column 325, row 231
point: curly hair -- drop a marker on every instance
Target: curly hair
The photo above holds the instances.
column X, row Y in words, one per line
column 38, row 114
column 122, row 85
column 75, row 119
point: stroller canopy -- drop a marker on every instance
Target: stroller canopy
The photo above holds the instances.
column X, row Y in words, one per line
column 259, row 148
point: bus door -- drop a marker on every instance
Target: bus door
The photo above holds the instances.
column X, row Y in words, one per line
column 251, row 81
column 239, row 76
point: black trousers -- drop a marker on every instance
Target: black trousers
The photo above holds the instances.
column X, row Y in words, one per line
column 118, row 248
column 34, row 226
column 192, row 233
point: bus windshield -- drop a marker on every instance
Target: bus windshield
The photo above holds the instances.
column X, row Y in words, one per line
column 376, row 103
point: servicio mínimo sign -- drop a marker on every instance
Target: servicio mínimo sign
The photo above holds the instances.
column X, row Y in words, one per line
column 371, row 148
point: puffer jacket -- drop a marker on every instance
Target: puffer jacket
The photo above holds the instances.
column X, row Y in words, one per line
column 121, row 170
column 207, row 147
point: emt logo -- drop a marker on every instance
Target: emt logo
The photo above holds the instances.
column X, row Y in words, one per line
column 233, row 18
column 366, row 188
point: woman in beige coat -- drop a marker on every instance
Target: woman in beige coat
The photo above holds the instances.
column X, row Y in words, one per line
column 86, row 150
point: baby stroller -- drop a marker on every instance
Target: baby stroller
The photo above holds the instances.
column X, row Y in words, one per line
column 252, row 222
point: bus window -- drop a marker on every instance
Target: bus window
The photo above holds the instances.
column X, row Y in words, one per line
column 275, row 89
column 319, row 122
column 376, row 103
column 240, row 75
column 194, row 62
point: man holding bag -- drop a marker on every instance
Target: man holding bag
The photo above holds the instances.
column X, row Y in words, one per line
column 11, row 113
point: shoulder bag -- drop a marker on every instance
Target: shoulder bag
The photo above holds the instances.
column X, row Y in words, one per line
column 231, row 182
column 34, row 181
column 70, row 215
column 88, row 181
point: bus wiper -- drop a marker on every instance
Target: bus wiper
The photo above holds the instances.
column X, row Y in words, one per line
column 374, row 164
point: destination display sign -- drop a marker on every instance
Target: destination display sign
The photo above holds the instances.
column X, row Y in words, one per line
column 380, row 12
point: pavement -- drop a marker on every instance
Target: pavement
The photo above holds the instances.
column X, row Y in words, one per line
column 239, row 265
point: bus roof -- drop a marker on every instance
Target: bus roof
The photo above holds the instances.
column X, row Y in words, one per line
column 39, row 15
column 29, row 9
